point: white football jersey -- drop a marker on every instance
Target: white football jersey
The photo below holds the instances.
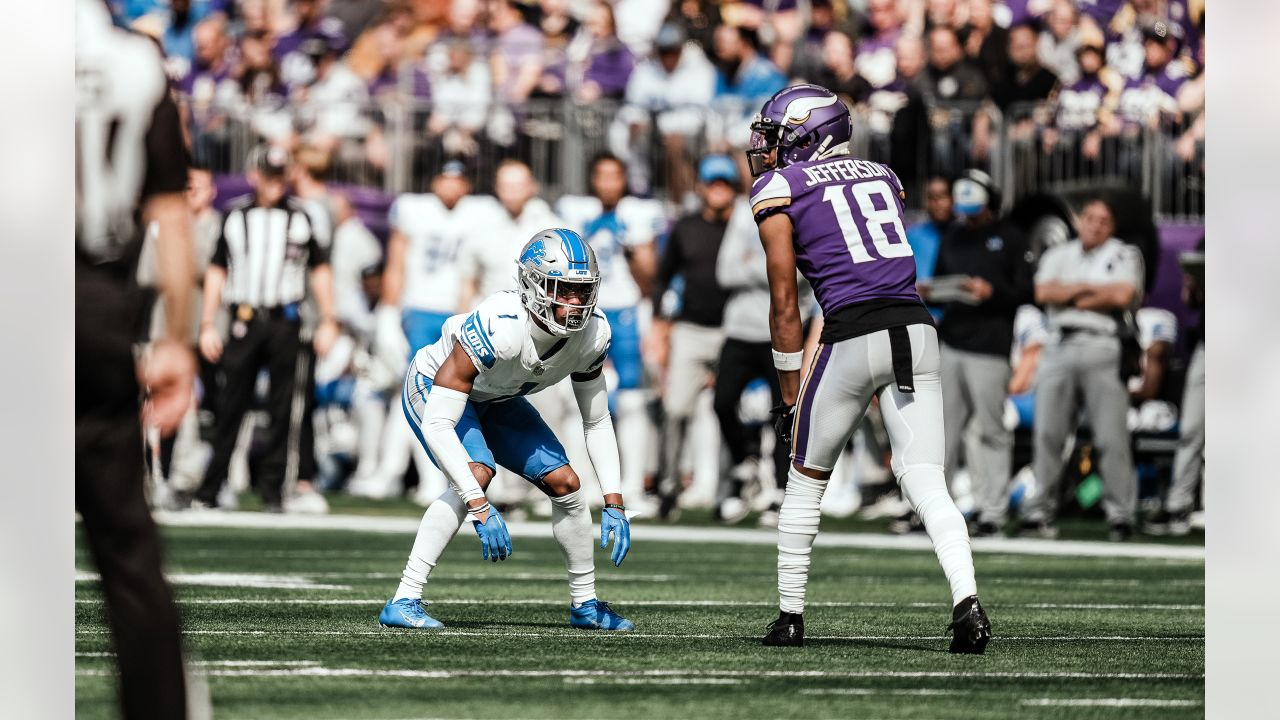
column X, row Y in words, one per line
column 435, row 238
column 1030, row 328
column 493, row 242
column 498, row 336
column 634, row 222
column 1156, row 325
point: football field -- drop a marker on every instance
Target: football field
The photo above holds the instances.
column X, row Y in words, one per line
column 282, row 621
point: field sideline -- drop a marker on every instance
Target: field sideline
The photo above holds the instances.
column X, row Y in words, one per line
column 282, row 621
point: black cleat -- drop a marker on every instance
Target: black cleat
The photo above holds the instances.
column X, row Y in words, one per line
column 1120, row 532
column 786, row 631
column 984, row 529
column 906, row 523
column 969, row 627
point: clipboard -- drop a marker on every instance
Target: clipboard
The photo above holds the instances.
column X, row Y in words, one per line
column 950, row 288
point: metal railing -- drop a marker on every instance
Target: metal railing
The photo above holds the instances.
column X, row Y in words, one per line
column 396, row 146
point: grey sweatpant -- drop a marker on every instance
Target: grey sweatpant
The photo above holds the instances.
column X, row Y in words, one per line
column 695, row 351
column 974, row 387
column 1188, row 462
column 1087, row 366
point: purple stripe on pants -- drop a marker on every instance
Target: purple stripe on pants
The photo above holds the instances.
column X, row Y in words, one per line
column 806, row 401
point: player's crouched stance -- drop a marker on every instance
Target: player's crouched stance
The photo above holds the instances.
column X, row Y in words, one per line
column 467, row 391
column 838, row 220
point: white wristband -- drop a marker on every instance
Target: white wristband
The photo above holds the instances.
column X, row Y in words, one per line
column 788, row 361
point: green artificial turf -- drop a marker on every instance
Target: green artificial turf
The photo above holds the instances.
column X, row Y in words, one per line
column 1119, row 638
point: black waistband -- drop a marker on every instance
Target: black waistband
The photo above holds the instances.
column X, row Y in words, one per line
column 246, row 312
column 1067, row 332
column 864, row 318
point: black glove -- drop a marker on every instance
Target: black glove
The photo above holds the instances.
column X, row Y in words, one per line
column 784, row 416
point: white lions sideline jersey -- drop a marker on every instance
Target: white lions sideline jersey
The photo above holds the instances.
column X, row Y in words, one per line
column 498, row 337
column 1155, row 325
column 634, row 222
column 435, row 235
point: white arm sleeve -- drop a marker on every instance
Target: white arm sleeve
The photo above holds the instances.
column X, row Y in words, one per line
column 597, row 427
column 444, row 407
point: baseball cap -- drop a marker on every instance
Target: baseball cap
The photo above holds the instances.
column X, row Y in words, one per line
column 670, row 37
column 271, row 160
column 973, row 192
column 717, row 167
column 318, row 45
column 453, row 168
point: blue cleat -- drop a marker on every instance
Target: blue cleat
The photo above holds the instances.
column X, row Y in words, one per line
column 407, row 613
column 597, row 615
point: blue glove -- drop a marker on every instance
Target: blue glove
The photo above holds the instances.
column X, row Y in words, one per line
column 495, row 540
column 614, row 522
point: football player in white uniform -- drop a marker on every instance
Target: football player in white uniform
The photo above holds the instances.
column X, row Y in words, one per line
column 419, row 293
column 622, row 231
column 467, row 390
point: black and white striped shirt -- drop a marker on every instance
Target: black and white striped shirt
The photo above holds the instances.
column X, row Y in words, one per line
column 267, row 252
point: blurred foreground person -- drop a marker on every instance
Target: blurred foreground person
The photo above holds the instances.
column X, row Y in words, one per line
column 131, row 169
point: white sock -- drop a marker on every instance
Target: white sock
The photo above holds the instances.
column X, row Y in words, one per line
column 571, row 526
column 439, row 524
column 925, row 487
column 797, row 527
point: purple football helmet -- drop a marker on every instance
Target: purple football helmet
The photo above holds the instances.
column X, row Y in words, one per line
column 801, row 122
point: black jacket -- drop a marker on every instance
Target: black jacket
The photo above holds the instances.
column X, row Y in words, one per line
column 997, row 253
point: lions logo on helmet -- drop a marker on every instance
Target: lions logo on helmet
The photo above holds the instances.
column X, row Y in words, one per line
column 558, row 270
column 801, row 122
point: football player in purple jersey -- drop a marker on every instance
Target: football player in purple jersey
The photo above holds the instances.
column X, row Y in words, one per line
column 838, row 220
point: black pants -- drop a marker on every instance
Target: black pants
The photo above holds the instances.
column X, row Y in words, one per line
column 273, row 343
column 118, row 528
column 740, row 363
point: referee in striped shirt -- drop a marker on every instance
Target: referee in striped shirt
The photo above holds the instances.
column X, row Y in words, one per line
column 266, row 250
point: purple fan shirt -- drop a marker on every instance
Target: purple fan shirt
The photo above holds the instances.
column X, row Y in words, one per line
column 296, row 69
column 1080, row 102
column 850, row 240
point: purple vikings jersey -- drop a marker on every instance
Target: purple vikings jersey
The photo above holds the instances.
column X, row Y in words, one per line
column 1080, row 102
column 849, row 237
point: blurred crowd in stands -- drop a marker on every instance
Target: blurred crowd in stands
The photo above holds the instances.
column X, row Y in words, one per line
column 430, row 138
column 1034, row 91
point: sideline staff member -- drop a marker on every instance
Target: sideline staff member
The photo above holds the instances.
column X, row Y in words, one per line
column 131, row 170
column 1081, row 284
column 260, row 269
column 976, row 332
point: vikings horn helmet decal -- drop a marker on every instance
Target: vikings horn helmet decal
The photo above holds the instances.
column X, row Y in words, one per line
column 802, row 122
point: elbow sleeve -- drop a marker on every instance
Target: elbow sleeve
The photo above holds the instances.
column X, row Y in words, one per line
column 597, row 429
column 440, row 416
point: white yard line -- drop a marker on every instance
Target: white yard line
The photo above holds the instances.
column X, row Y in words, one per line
column 655, row 681
column 662, row 603
column 673, row 673
column 1109, row 702
column 239, row 580
column 743, row 536
column 566, row 634
column 879, row 691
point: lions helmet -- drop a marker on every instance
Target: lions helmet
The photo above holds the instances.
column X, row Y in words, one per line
column 801, row 122
column 557, row 269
